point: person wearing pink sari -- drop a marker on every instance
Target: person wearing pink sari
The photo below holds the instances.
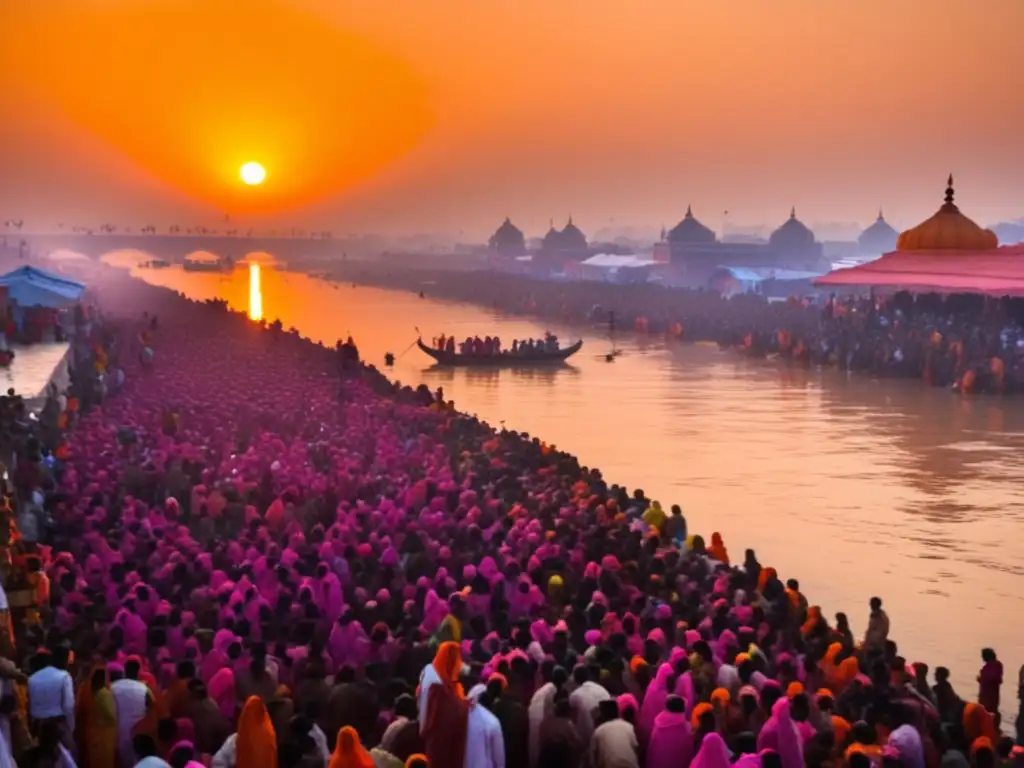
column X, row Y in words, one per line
column 671, row 741
column 780, row 734
column 221, row 689
column 654, row 702
column 712, row 753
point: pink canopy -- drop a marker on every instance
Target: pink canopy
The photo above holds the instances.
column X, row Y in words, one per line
column 997, row 273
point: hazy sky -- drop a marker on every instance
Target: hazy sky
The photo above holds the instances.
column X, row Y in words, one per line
column 451, row 114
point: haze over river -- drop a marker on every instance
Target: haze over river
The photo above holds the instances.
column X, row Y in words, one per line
column 853, row 486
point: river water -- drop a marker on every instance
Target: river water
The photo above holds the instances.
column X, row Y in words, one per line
column 853, row 486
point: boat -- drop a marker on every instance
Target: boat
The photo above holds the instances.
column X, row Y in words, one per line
column 505, row 359
column 203, row 266
column 156, row 264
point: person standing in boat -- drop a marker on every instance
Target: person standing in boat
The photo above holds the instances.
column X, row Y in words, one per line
column 450, row 345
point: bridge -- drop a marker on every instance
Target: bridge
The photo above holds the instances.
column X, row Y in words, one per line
column 175, row 248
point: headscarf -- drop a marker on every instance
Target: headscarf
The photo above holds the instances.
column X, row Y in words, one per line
column 907, row 742
column 712, row 753
column 978, row 723
column 780, row 734
column 256, row 745
column 448, row 665
column 349, row 752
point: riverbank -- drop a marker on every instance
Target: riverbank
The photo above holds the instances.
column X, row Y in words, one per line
column 960, row 342
column 699, row 425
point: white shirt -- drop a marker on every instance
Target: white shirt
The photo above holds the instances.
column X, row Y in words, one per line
column 130, row 703
column 151, row 762
column 614, row 746
column 542, row 704
column 583, row 701
column 320, row 739
column 51, row 693
column 485, row 746
column 225, row 757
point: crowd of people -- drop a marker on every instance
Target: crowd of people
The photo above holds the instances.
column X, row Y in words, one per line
column 491, row 346
column 264, row 556
column 968, row 342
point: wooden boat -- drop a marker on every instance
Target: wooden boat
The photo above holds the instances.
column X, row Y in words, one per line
column 505, row 359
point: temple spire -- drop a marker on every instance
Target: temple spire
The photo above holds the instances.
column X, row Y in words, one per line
column 880, row 216
column 689, row 211
column 792, row 212
column 949, row 190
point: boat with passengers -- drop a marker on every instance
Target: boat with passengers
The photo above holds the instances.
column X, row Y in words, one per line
column 489, row 352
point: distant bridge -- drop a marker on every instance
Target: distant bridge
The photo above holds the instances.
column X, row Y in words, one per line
column 175, row 248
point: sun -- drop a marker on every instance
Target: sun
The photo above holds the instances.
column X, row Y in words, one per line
column 253, row 173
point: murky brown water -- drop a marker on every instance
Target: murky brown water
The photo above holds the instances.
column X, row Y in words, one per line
column 853, row 486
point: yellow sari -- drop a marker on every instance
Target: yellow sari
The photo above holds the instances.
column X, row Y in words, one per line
column 101, row 734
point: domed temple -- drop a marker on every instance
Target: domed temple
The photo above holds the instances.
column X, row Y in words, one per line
column 507, row 240
column 567, row 244
column 945, row 253
column 693, row 254
column 877, row 239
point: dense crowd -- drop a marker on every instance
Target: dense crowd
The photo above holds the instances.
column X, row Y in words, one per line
column 974, row 344
column 263, row 555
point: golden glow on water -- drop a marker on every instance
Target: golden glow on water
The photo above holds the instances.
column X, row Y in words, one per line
column 255, row 293
column 855, row 487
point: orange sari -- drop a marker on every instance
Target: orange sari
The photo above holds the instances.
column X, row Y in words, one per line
column 96, row 726
column 349, row 752
column 256, row 746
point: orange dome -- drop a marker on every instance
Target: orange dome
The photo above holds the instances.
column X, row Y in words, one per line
column 947, row 230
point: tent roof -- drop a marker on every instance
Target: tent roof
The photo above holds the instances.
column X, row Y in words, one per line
column 31, row 285
column 998, row 272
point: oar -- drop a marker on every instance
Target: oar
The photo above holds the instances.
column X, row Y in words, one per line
column 418, row 335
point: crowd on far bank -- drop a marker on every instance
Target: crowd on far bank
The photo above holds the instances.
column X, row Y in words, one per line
column 967, row 342
column 265, row 554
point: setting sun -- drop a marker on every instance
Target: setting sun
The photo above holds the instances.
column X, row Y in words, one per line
column 253, row 173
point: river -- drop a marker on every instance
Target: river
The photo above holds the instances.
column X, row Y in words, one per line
column 853, row 486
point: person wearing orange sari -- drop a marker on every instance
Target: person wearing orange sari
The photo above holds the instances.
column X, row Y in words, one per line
column 446, row 714
column 979, row 723
column 96, row 722
column 349, row 752
column 256, row 744
column 717, row 549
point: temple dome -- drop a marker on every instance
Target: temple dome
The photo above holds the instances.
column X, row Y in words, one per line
column 793, row 234
column 878, row 238
column 690, row 230
column 508, row 238
column 572, row 237
column 553, row 238
column 948, row 230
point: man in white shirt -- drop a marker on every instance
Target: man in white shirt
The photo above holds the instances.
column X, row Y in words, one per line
column 131, row 699
column 614, row 743
column 485, row 745
column 585, row 700
column 51, row 693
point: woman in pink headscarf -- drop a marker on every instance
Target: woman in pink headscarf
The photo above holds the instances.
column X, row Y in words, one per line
column 780, row 734
column 671, row 742
column 712, row 753
column 654, row 702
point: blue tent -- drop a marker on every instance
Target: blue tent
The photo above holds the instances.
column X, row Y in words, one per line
column 31, row 286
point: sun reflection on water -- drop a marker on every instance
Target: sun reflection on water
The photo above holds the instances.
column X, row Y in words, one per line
column 255, row 293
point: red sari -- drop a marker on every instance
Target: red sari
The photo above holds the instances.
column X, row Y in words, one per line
column 446, row 723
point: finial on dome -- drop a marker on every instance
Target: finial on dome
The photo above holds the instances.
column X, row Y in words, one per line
column 551, row 223
column 689, row 211
column 569, row 223
column 880, row 216
column 792, row 212
column 949, row 190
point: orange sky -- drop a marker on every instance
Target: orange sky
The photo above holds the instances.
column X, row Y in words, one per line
column 450, row 114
